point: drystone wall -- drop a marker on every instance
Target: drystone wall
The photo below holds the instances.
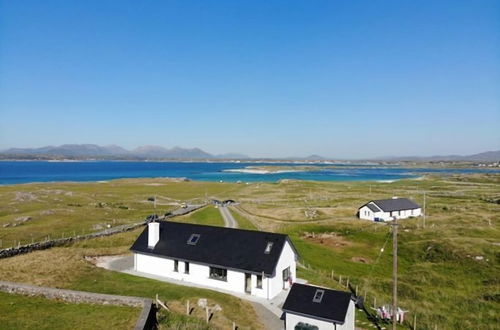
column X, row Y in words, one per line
column 147, row 319
column 12, row 251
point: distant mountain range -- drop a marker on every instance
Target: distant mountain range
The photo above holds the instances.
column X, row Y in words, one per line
column 86, row 151
column 488, row 156
column 112, row 151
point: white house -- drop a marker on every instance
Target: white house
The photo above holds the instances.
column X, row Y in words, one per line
column 245, row 261
column 310, row 307
column 389, row 209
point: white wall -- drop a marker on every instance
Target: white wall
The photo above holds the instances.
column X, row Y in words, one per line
column 350, row 319
column 200, row 274
column 287, row 259
column 403, row 214
column 366, row 213
column 291, row 321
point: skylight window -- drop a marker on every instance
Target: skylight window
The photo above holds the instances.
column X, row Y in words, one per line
column 269, row 246
column 193, row 239
column 318, row 296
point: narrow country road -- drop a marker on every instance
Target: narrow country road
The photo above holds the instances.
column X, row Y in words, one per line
column 229, row 221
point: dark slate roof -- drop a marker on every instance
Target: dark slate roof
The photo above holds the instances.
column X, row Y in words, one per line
column 332, row 308
column 393, row 204
column 396, row 204
column 217, row 246
column 373, row 207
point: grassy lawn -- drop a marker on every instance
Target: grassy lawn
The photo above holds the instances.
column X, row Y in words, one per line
column 208, row 215
column 448, row 271
column 21, row 312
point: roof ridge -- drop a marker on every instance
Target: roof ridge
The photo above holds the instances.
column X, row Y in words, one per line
column 222, row 228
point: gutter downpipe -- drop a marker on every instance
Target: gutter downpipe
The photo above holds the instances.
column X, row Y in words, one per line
column 268, row 288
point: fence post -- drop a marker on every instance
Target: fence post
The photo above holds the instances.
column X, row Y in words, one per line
column 187, row 307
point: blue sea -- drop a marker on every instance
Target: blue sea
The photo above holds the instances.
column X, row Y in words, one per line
column 13, row 172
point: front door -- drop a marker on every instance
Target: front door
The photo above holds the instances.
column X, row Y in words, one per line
column 286, row 277
column 248, row 283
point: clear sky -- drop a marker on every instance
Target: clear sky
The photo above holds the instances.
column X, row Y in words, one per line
column 346, row 79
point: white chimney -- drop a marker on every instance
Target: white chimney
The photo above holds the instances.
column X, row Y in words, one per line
column 153, row 234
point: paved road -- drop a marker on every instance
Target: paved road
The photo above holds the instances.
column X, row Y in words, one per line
column 229, row 221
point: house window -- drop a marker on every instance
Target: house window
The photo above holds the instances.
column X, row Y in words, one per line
column 218, row 273
column 269, row 246
column 318, row 296
column 193, row 239
column 259, row 281
column 176, row 265
column 186, row 267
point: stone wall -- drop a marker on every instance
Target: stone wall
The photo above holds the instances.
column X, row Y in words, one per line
column 12, row 251
column 147, row 319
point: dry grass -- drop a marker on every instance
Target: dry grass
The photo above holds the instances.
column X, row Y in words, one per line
column 447, row 268
column 66, row 267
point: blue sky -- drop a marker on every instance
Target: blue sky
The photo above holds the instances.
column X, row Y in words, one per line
column 347, row 79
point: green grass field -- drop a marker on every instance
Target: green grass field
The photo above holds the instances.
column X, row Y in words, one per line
column 21, row 312
column 208, row 215
column 448, row 271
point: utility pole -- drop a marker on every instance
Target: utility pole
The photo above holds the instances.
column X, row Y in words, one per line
column 394, row 273
column 424, row 210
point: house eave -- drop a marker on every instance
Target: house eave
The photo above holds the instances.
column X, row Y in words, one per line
column 314, row 317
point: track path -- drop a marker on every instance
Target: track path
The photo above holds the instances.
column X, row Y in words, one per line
column 229, row 221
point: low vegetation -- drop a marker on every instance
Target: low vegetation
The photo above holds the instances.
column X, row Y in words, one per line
column 208, row 215
column 21, row 312
column 67, row 209
column 448, row 270
column 70, row 268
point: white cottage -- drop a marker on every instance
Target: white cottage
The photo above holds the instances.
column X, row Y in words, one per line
column 245, row 261
column 310, row 307
column 389, row 209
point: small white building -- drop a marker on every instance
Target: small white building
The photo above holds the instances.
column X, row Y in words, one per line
column 389, row 209
column 244, row 261
column 310, row 307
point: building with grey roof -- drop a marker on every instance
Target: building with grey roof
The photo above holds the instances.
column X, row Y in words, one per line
column 389, row 209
